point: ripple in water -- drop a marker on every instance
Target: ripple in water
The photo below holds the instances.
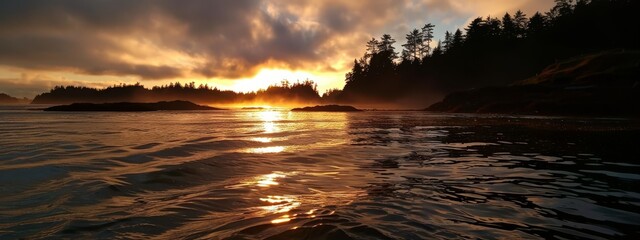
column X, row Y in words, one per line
column 274, row 174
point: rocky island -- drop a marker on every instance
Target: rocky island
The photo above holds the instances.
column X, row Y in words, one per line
column 327, row 108
column 130, row 107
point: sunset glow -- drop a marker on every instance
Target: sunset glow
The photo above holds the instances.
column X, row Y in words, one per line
column 267, row 77
column 241, row 46
column 319, row 119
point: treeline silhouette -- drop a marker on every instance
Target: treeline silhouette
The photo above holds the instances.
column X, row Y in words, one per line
column 491, row 51
column 302, row 92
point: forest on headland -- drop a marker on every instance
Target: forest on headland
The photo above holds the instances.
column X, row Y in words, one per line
column 490, row 51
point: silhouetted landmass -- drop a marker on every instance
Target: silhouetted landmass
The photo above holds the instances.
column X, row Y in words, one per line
column 6, row 99
column 130, row 107
column 604, row 84
column 327, row 108
column 489, row 51
column 302, row 92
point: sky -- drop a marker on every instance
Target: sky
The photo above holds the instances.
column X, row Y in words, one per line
column 240, row 45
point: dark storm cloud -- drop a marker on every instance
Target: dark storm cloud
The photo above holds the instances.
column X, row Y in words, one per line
column 230, row 37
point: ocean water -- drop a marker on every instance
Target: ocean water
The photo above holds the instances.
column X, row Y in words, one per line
column 275, row 174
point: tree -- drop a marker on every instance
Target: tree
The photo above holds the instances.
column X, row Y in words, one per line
column 537, row 24
column 520, row 21
column 458, row 39
column 448, row 39
column 427, row 38
column 406, row 56
column 509, row 28
column 562, row 8
column 494, row 27
column 412, row 49
column 476, row 30
column 385, row 45
column 372, row 48
column 437, row 51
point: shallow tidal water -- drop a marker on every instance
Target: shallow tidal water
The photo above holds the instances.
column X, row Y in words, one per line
column 275, row 174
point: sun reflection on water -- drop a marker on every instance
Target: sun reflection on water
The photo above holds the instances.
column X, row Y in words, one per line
column 275, row 149
column 268, row 180
column 282, row 219
column 269, row 117
column 262, row 139
column 280, row 204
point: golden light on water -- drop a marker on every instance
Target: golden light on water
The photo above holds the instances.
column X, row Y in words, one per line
column 268, row 180
column 269, row 115
column 279, row 207
column 262, row 139
column 280, row 204
column 269, row 118
column 282, row 219
column 275, row 149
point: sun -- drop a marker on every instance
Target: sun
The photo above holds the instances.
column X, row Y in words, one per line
column 267, row 77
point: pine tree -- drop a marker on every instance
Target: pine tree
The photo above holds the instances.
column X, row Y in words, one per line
column 458, row 39
column 537, row 24
column 520, row 20
column 385, row 45
column 356, row 73
column 412, row 47
column 509, row 28
column 562, row 8
column 475, row 30
column 437, row 51
column 425, row 41
column 494, row 27
column 448, row 39
column 372, row 48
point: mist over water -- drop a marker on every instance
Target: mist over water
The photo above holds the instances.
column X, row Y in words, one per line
column 271, row 173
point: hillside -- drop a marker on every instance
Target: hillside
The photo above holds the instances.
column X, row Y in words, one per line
column 601, row 84
column 6, row 99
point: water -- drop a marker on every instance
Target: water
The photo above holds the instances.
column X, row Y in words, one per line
column 255, row 174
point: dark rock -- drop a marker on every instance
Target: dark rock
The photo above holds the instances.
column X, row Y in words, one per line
column 130, row 107
column 327, row 108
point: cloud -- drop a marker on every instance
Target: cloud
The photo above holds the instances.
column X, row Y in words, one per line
column 169, row 39
column 29, row 86
column 85, row 54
